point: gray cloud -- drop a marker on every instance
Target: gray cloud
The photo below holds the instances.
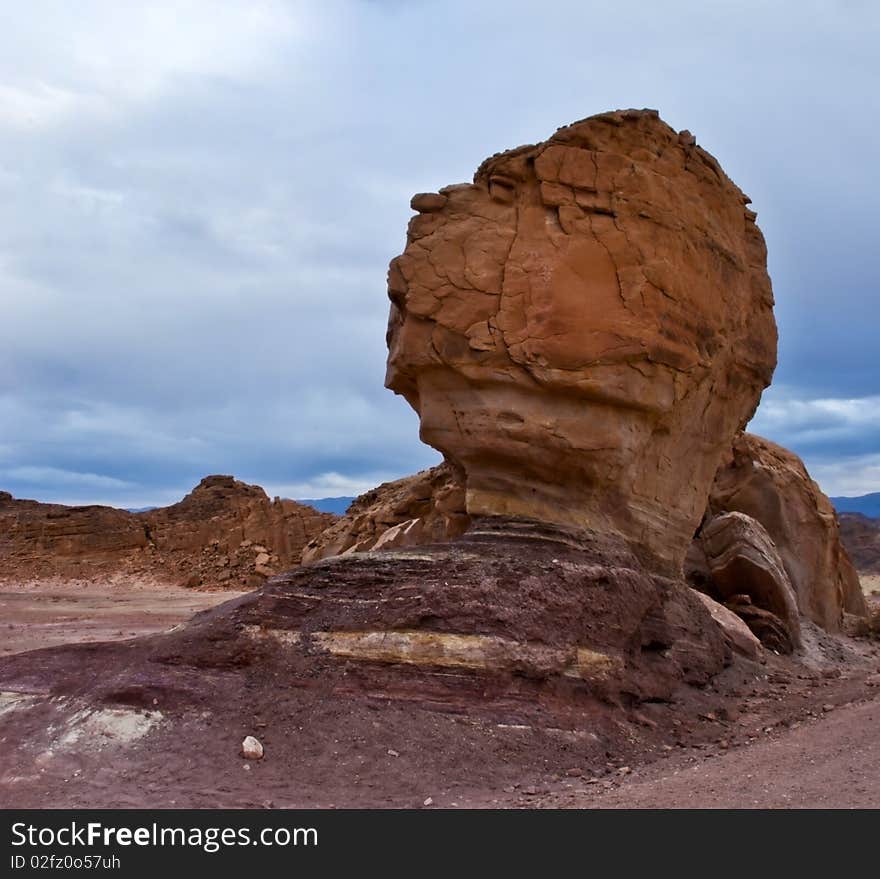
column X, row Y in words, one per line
column 198, row 203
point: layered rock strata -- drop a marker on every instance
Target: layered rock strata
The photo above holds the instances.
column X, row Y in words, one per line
column 513, row 614
column 758, row 478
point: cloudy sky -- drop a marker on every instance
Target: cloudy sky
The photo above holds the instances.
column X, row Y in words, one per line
column 199, row 199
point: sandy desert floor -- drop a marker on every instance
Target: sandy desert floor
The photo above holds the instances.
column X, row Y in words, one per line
column 32, row 619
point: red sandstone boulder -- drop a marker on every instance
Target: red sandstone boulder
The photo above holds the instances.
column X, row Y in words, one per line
column 584, row 328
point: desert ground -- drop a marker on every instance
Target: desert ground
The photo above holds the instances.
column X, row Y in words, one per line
column 65, row 613
column 775, row 734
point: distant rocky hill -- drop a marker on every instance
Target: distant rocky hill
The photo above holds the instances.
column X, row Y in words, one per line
column 866, row 504
column 861, row 537
column 224, row 533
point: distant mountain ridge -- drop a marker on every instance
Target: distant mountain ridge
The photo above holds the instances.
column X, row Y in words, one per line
column 223, row 533
column 337, row 505
column 866, row 504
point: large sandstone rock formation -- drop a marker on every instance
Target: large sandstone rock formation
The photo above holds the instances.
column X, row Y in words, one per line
column 771, row 484
column 582, row 331
column 224, row 532
column 584, row 328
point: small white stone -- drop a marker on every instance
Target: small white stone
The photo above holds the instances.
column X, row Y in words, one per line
column 251, row 748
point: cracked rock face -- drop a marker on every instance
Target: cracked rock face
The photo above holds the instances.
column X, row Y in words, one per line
column 584, row 328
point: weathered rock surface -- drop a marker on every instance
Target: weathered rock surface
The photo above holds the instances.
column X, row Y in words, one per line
column 738, row 635
column 223, row 533
column 54, row 529
column 427, row 507
column 861, row 537
column 743, row 560
column 584, row 328
column 771, row 485
column 770, row 629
